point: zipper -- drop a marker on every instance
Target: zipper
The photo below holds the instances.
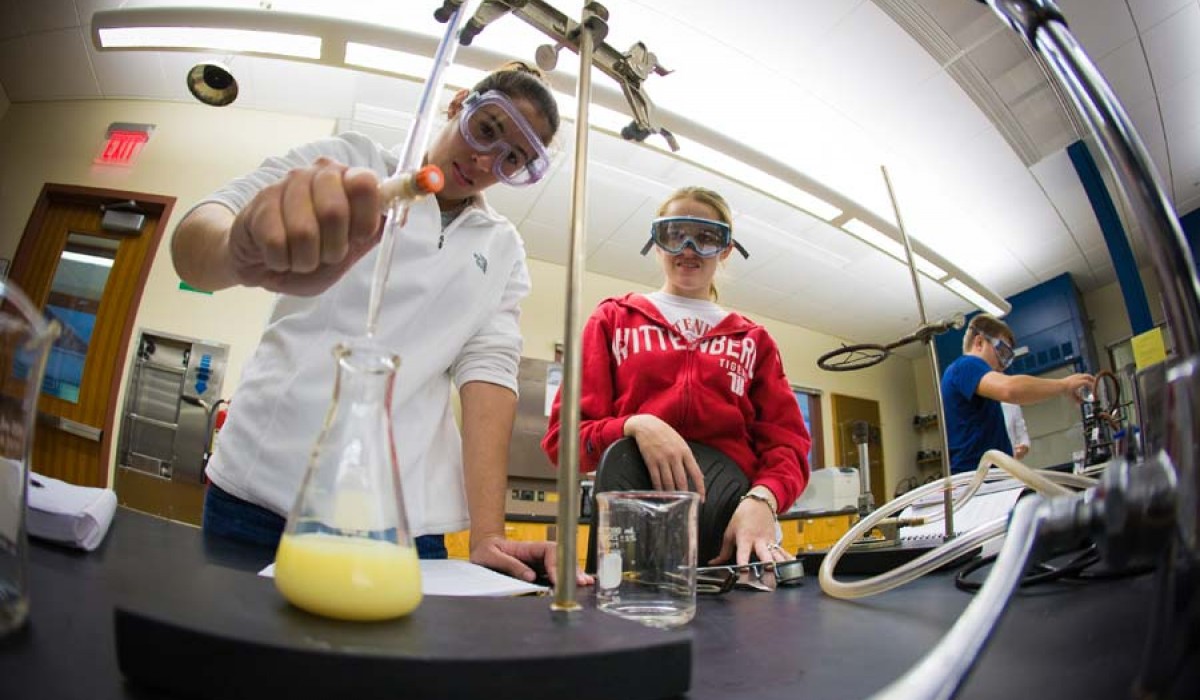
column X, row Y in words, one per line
column 687, row 381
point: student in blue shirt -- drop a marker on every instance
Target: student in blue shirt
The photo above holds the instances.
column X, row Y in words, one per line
column 974, row 385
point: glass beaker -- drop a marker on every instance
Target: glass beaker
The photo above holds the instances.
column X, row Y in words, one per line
column 25, row 340
column 646, row 555
column 346, row 551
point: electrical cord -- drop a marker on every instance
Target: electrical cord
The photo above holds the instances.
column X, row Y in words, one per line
column 1079, row 569
column 1041, row 572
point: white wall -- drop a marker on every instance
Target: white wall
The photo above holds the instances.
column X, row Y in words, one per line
column 1109, row 320
column 193, row 150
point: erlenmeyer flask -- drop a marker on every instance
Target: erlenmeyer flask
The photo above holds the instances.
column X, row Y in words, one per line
column 346, row 551
column 25, row 340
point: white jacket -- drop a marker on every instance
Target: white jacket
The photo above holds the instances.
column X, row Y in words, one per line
column 449, row 312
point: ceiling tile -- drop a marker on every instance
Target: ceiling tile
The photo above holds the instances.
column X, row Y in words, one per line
column 1172, row 49
column 1126, row 72
column 12, row 20
column 386, row 92
column 48, row 15
column 1058, row 179
column 544, row 242
column 46, row 66
column 1147, row 13
column 1100, row 25
column 1180, row 108
column 616, row 260
column 84, row 9
column 299, row 88
column 129, row 74
column 515, row 202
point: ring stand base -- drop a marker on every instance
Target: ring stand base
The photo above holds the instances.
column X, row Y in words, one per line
column 245, row 641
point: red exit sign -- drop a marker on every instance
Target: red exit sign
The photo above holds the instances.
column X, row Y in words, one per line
column 123, row 143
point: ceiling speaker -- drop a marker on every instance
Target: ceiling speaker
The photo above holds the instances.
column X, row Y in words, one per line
column 212, row 83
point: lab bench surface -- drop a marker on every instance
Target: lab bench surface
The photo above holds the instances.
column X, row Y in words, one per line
column 1055, row 641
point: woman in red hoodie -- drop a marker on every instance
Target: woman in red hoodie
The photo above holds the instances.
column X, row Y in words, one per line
column 673, row 366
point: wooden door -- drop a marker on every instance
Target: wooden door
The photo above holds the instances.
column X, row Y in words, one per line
column 847, row 411
column 89, row 274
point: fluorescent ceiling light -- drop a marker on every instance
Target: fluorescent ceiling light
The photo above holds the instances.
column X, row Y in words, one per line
column 86, row 259
column 233, row 40
column 387, row 60
column 730, row 167
column 960, row 288
column 874, row 237
column 930, row 270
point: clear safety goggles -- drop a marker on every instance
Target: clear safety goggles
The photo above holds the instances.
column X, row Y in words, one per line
column 705, row 237
column 491, row 124
column 1004, row 351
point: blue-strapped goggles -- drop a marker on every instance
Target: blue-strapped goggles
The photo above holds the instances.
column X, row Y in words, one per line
column 1004, row 351
column 492, row 124
column 706, row 238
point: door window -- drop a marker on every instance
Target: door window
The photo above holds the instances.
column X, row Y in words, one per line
column 75, row 294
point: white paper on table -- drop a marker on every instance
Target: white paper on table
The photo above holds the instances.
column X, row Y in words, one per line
column 454, row 577
column 78, row 516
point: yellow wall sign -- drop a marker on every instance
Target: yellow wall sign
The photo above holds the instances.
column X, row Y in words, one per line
column 1148, row 349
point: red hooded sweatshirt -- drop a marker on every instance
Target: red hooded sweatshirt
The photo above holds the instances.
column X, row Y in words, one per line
column 726, row 390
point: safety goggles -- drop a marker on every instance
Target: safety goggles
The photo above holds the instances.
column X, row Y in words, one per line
column 491, row 124
column 1004, row 351
column 705, row 237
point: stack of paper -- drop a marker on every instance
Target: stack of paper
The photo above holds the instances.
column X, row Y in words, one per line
column 982, row 508
column 77, row 516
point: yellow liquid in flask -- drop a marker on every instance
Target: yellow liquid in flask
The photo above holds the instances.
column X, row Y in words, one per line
column 348, row 578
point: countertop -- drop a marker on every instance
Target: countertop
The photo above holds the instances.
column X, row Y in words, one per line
column 1055, row 641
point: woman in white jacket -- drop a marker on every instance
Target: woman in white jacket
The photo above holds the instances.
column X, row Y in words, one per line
column 306, row 225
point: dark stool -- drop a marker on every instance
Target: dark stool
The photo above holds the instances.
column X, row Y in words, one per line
column 622, row 468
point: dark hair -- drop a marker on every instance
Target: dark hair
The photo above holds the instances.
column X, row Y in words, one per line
column 520, row 80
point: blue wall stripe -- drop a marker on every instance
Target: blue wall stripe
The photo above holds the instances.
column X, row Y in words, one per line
column 1114, row 235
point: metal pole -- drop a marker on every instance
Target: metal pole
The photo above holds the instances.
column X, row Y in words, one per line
column 931, row 351
column 591, row 21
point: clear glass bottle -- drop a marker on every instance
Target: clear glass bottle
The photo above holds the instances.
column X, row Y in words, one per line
column 25, row 341
column 347, row 552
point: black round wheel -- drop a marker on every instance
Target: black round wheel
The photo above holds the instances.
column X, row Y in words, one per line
column 851, row 357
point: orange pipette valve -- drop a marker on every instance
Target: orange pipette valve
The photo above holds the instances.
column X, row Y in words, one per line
column 409, row 186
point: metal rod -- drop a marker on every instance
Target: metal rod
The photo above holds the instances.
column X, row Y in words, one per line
column 568, row 464
column 931, row 352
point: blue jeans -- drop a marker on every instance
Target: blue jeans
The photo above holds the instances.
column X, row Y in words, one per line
column 226, row 515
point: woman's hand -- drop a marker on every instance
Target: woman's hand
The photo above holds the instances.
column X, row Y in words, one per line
column 751, row 530
column 668, row 458
column 300, row 234
column 523, row 560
